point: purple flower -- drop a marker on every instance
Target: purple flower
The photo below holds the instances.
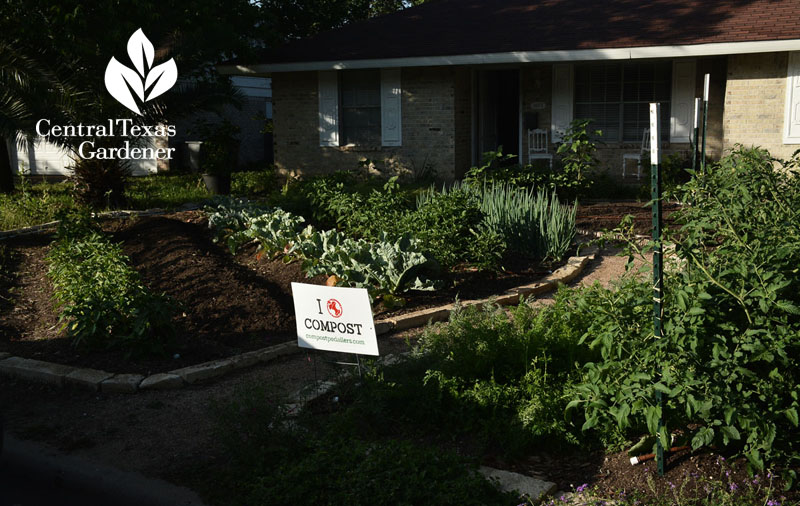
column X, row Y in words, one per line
column 582, row 488
column 733, row 487
column 773, row 502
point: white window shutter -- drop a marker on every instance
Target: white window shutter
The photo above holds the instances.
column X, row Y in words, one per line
column 391, row 96
column 681, row 119
column 328, row 108
column 561, row 114
column 791, row 130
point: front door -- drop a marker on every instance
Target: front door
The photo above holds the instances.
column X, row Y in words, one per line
column 497, row 109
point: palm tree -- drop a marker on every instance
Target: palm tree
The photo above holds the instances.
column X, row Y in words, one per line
column 32, row 87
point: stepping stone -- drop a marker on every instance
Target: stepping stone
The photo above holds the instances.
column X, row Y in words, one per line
column 532, row 488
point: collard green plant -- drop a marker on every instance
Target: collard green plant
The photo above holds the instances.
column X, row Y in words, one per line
column 386, row 267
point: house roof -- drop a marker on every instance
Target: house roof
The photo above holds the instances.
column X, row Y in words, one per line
column 443, row 29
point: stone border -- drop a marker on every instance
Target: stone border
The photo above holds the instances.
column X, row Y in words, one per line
column 101, row 381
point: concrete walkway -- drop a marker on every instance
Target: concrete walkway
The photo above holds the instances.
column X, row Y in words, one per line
column 35, row 474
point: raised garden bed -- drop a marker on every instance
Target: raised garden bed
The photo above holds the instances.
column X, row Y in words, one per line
column 227, row 305
column 601, row 216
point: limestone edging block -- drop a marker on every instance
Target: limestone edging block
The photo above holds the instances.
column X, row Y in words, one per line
column 122, row 383
column 206, row 370
column 564, row 274
column 161, row 381
column 35, row 370
column 87, row 378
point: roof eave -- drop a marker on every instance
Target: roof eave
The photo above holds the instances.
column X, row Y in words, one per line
column 628, row 53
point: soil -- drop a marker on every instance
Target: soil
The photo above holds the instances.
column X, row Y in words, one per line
column 601, row 216
column 225, row 305
column 173, row 434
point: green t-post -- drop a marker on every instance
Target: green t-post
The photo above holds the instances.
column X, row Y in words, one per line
column 658, row 271
column 698, row 107
column 706, row 86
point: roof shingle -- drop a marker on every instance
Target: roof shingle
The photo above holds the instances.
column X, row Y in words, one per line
column 460, row 27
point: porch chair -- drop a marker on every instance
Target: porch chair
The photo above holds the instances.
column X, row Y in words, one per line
column 538, row 146
column 637, row 156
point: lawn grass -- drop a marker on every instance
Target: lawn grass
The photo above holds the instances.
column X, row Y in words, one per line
column 37, row 203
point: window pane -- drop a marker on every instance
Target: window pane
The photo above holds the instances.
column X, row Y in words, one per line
column 617, row 96
column 361, row 107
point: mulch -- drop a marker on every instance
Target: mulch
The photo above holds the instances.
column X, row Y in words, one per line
column 601, row 216
column 225, row 305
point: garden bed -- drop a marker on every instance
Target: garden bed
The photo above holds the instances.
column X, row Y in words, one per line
column 600, row 216
column 226, row 305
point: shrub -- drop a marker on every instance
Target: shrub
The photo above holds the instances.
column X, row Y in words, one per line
column 448, row 224
column 102, row 302
column 728, row 361
column 531, row 223
column 506, row 376
column 100, row 183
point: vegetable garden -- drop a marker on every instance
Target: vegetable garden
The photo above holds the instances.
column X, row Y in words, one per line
column 578, row 376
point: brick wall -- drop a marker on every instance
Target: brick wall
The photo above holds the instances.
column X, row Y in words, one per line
column 429, row 133
column 755, row 102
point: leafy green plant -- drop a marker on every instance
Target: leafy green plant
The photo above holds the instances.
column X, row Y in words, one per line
column 508, row 376
column 577, row 158
column 386, row 267
column 505, row 216
column 274, row 461
column 536, row 224
column 727, row 363
column 101, row 299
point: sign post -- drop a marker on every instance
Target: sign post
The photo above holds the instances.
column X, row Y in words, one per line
column 658, row 268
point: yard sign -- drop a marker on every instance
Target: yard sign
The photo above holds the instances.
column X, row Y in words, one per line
column 334, row 319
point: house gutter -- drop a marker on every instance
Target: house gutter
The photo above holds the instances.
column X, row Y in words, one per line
column 517, row 57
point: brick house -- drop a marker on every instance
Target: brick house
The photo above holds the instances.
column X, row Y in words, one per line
column 437, row 85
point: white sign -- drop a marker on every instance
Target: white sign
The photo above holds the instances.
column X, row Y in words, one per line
column 334, row 319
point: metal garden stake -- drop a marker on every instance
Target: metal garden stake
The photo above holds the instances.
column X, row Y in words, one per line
column 706, row 83
column 658, row 272
column 698, row 107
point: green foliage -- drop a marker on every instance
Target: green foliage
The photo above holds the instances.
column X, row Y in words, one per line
column 450, row 225
column 577, row 152
column 101, row 299
column 388, row 266
column 165, row 190
column 507, row 377
column 219, row 152
column 535, row 224
column 728, row 361
column 34, row 204
column 100, row 184
column 277, row 462
column 571, row 176
column 447, row 224
column 385, row 267
column 523, row 220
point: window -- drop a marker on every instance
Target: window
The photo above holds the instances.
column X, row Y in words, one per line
column 617, row 97
column 361, row 107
